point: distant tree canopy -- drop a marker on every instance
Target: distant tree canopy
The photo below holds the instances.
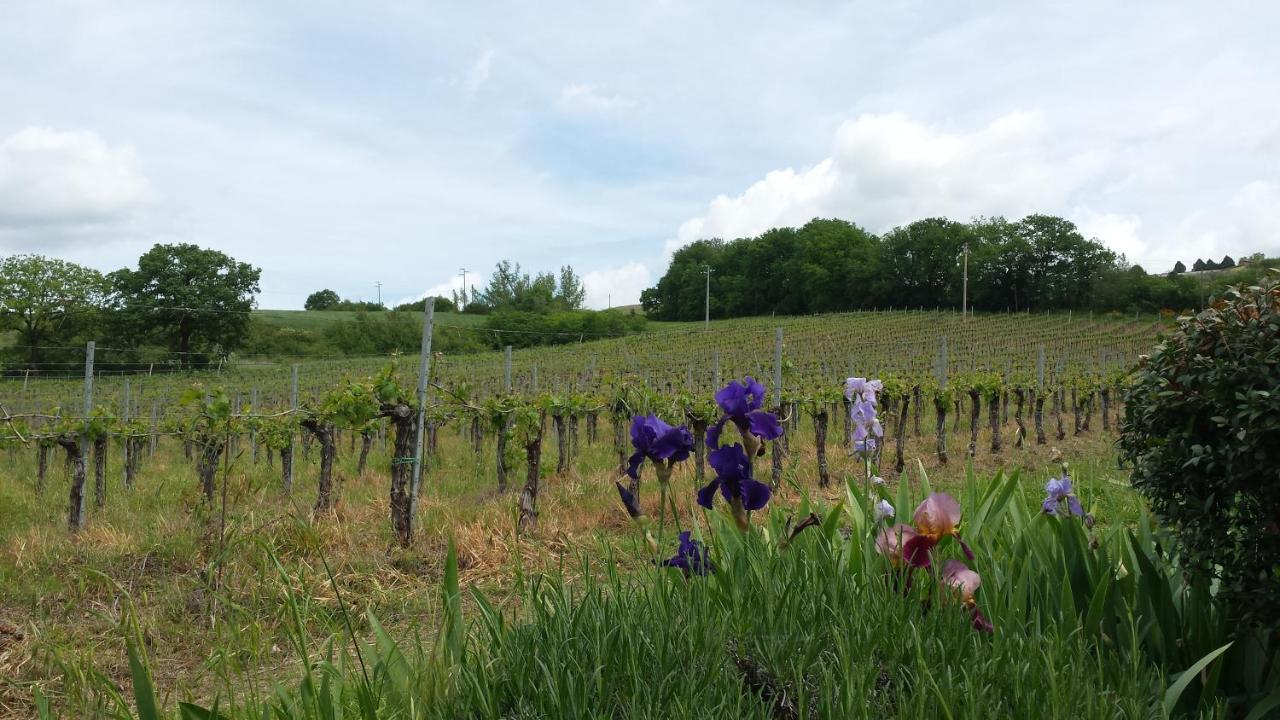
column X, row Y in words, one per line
column 191, row 300
column 1036, row 263
column 443, row 304
column 329, row 300
column 48, row 302
column 321, row 300
column 1178, row 268
column 511, row 289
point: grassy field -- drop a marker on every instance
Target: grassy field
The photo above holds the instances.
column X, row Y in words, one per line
column 246, row 598
column 208, row 600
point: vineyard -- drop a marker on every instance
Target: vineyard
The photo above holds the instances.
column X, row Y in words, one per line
column 239, row 519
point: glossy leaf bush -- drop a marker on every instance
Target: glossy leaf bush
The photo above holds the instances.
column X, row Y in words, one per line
column 1202, row 430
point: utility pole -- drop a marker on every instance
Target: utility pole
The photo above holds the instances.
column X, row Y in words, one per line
column 464, row 289
column 706, row 270
column 379, row 284
column 964, row 298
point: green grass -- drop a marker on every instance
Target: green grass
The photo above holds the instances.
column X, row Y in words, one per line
column 209, row 603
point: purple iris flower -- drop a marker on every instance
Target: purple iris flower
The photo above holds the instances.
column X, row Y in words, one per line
column 1058, row 490
column 691, row 557
column 741, row 402
column 658, row 441
column 733, row 479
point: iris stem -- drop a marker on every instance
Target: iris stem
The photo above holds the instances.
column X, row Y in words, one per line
column 662, row 511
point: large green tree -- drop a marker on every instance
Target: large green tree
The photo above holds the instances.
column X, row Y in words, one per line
column 321, row 300
column 922, row 263
column 510, row 288
column 190, row 299
column 47, row 302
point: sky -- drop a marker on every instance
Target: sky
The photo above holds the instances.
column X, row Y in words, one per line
column 341, row 145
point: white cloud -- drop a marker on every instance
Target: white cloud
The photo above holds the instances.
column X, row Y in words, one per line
column 444, row 289
column 1255, row 210
column 479, row 73
column 891, row 169
column 578, row 98
column 1118, row 232
column 65, row 180
column 615, row 286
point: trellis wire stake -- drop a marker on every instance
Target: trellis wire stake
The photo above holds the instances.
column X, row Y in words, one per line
column 424, row 371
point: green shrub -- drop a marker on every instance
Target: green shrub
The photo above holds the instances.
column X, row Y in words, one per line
column 1202, row 429
column 529, row 329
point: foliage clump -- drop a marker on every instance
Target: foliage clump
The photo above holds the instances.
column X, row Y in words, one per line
column 1202, row 430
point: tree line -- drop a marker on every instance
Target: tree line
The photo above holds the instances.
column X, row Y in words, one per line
column 1041, row 262
column 183, row 305
column 186, row 307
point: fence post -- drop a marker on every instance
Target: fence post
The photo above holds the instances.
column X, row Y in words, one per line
column 155, row 412
column 126, row 406
column 253, row 436
column 77, row 484
column 424, row 370
column 293, row 407
column 942, row 363
column 777, row 368
column 506, row 370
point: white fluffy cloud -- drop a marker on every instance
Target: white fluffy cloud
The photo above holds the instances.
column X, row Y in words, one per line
column 886, row 170
column 1116, row 231
column 444, row 289
column 615, row 286
column 58, row 179
column 890, row 169
column 580, row 98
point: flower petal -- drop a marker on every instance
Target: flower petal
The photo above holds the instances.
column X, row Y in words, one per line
column 673, row 441
column 916, row 550
column 980, row 622
column 1073, row 504
column 765, row 425
column 707, row 495
column 730, row 462
column 937, row 516
column 732, row 399
column 628, row 501
column 891, row 540
column 633, row 465
column 754, row 395
column 755, row 494
column 959, row 576
column 713, row 434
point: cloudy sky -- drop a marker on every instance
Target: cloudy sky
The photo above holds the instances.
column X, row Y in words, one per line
column 343, row 144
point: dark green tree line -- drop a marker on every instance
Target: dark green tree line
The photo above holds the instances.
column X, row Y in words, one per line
column 1040, row 262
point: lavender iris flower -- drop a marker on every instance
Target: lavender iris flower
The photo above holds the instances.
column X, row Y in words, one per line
column 1058, row 491
column 862, row 394
column 691, row 557
column 733, row 480
column 658, row 441
column 741, row 402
